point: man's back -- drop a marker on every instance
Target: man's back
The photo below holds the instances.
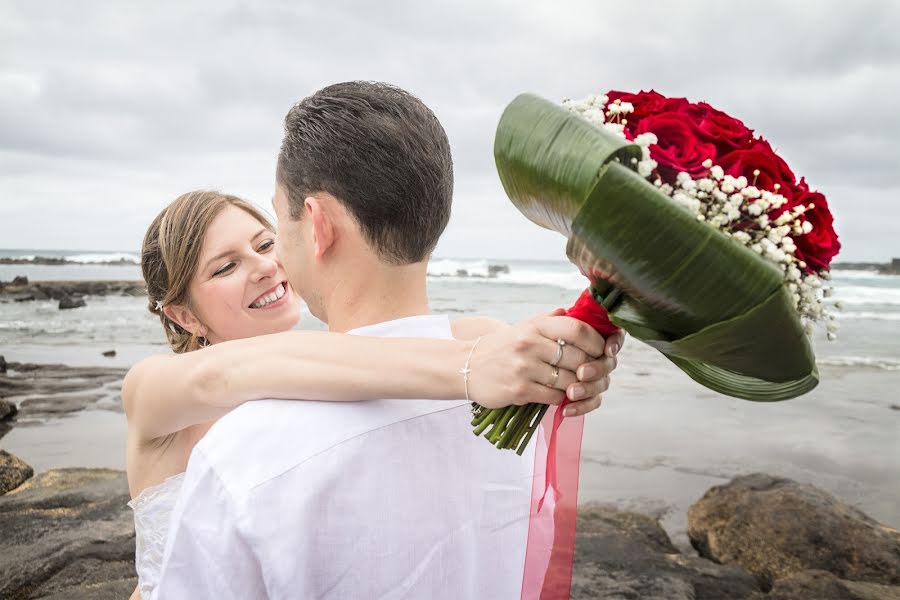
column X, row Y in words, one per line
column 379, row 499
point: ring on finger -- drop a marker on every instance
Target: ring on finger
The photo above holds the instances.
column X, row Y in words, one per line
column 559, row 352
column 554, row 377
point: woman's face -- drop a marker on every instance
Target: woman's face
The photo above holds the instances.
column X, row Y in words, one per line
column 240, row 289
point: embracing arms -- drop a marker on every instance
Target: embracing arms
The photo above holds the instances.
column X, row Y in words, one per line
column 165, row 394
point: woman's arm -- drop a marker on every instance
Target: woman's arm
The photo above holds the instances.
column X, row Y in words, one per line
column 165, row 394
column 471, row 328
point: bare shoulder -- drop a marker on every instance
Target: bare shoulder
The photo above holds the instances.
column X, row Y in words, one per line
column 473, row 327
column 136, row 377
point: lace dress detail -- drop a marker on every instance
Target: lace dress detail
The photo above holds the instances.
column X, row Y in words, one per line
column 152, row 513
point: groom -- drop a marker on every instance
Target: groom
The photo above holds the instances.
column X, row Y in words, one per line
column 379, row 499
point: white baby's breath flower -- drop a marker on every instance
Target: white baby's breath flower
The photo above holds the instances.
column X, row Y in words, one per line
column 754, row 209
column 646, row 167
column 717, row 172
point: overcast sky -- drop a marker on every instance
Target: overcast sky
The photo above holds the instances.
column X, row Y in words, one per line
column 109, row 110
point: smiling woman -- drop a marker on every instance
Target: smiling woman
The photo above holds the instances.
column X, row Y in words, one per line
column 235, row 264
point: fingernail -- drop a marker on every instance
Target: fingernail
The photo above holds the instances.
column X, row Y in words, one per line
column 613, row 349
column 576, row 392
column 586, row 372
column 568, row 411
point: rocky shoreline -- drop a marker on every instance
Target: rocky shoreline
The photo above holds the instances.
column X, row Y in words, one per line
column 891, row 268
column 68, row 533
column 70, row 294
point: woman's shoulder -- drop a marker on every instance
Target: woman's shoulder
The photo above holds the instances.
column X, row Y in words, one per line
column 138, row 376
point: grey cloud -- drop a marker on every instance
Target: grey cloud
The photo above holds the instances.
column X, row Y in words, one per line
column 96, row 96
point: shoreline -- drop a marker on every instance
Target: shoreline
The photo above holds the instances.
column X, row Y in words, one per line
column 632, row 457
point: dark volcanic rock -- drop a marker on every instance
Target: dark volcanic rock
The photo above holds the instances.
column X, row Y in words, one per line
column 109, row 353
column 621, row 555
column 45, row 406
column 58, row 290
column 53, row 390
column 71, row 302
column 13, row 472
column 23, row 298
column 2, row 364
column 774, row 527
column 820, row 585
column 20, row 280
column 7, row 410
column 67, row 533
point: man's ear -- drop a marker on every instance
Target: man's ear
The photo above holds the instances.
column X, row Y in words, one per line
column 184, row 317
column 323, row 233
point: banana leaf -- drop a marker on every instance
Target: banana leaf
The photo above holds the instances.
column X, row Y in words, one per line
column 713, row 307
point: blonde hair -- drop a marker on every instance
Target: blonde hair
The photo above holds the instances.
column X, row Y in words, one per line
column 171, row 252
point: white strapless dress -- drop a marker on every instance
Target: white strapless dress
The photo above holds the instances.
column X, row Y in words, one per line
column 152, row 514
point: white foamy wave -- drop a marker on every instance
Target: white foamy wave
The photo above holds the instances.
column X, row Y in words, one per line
column 104, row 258
column 838, row 274
column 568, row 281
column 483, row 271
column 854, row 294
column 458, row 268
column 885, row 364
column 869, row 316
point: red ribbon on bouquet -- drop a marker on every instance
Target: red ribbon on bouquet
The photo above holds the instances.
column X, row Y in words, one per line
column 550, row 549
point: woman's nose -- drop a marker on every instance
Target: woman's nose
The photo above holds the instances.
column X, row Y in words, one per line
column 266, row 266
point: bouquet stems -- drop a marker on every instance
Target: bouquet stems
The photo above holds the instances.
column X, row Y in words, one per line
column 513, row 426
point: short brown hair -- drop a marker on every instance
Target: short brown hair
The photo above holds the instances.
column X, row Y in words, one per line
column 382, row 153
column 171, row 251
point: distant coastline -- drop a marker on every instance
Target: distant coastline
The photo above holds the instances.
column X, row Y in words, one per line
column 891, row 268
column 56, row 260
column 444, row 269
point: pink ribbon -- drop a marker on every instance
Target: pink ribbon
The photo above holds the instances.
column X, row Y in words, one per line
column 550, row 550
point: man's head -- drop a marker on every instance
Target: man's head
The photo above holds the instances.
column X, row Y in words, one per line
column 364, row 168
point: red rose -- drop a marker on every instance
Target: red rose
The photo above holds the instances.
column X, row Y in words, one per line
column 772, row 169
column 646, row 104
column 726, row 132
column 820, row 245
column 678, row 147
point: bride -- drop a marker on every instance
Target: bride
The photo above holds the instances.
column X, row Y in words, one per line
column 216, row 284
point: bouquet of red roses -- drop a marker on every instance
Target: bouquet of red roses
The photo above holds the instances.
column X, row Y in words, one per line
column 697, row 238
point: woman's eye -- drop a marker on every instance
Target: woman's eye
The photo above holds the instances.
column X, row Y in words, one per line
column 266, row 246
column 224, row 270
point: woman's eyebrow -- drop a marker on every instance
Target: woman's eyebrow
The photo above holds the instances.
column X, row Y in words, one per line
column 222, row 255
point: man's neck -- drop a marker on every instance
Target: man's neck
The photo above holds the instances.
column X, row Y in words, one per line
column 376, row 295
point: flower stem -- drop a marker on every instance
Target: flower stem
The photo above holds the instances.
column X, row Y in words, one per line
column 499, row 427
column 531, row 429
column 489, row 418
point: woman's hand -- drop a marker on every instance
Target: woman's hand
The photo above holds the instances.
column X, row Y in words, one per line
column 514, row 366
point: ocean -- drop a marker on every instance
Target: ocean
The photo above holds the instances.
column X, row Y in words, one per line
column 656, row 445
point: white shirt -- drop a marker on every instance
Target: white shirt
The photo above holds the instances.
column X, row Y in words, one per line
column 376, row 499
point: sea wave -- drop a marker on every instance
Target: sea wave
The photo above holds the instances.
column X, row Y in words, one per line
column 885, row 364
column 861, row 274
column 487, row 271
column 118, row 257
column 106, row 258
column 856, row 294
column 869, row 316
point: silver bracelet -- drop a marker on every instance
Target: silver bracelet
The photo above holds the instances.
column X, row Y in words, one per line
column 466, row 370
